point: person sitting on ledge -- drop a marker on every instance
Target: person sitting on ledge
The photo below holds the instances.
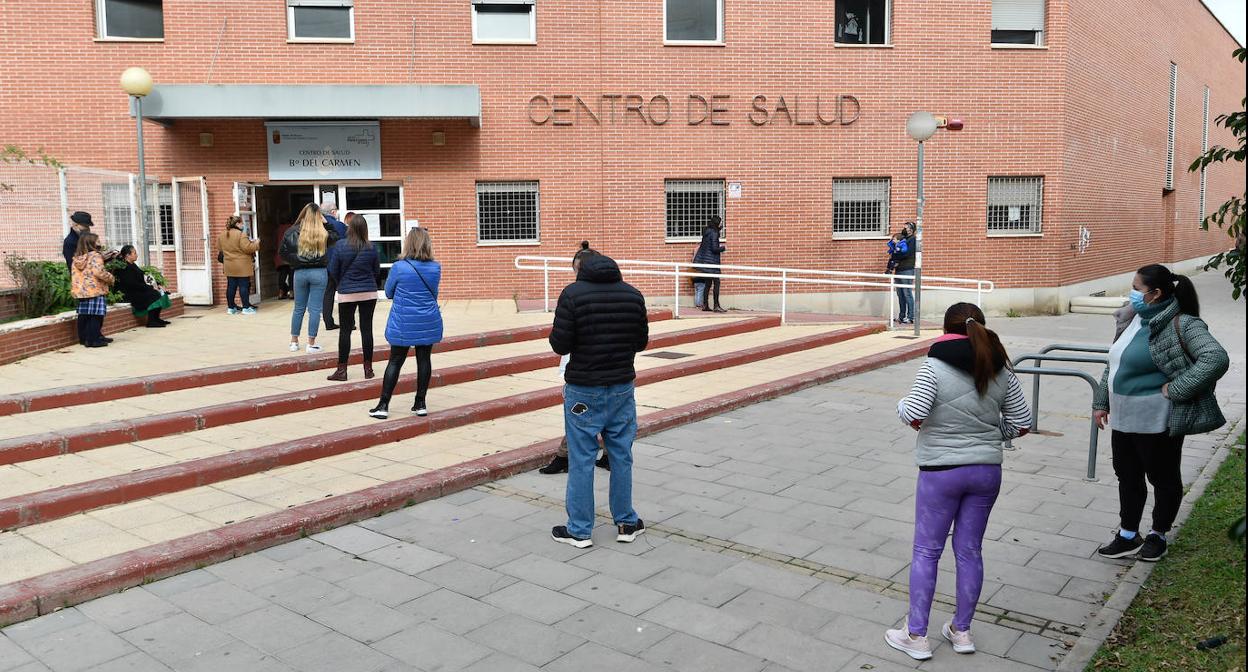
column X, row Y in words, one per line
column 140, row 290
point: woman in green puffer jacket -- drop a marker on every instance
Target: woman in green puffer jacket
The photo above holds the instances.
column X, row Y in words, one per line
column 1159, row 384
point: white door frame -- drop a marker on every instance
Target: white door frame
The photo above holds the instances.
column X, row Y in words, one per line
column 245, row 208
column 194, row 279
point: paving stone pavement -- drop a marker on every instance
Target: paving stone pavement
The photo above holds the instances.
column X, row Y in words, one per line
column 779, row 541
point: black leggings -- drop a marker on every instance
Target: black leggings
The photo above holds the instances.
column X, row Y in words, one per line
column 712, row 291
column 424, row 371
column 346, row 322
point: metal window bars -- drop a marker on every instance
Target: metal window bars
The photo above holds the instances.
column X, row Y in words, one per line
column 860, row 206
column 508, row 212
column 690, row 204
column 1015, row 204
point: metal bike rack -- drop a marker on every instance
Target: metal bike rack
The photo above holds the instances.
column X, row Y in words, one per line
column 1094, row 383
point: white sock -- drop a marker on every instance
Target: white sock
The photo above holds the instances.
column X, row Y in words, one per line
column 1126, row 534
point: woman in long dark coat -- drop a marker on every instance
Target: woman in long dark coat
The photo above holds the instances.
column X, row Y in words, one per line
column 708, row 253
column 144, row 299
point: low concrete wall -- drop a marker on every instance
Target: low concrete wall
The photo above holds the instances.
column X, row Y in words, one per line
column 22, row 339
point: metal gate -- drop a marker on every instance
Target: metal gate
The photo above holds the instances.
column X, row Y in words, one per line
column 190, row 230
column 245, row 209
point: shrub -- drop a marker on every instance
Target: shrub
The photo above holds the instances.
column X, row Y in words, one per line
column 44, row 285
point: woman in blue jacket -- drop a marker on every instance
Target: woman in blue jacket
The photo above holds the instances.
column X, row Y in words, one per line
column 355, row 270
column 415, row 319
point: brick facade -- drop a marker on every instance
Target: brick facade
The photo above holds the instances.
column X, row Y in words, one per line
column 1087, row 112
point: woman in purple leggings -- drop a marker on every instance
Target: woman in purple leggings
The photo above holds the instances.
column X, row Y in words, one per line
column 964, row 403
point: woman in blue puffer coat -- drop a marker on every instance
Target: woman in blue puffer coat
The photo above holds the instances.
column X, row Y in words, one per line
column 415, row 319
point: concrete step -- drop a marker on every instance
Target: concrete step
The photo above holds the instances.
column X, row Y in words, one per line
column 90, row 554
column 1097, row 305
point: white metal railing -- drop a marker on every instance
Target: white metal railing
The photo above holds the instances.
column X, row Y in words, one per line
column 678, row 270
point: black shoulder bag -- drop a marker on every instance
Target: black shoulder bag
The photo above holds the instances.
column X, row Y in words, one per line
column 422, row 279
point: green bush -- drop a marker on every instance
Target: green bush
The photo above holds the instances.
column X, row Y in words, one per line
column 44, row 285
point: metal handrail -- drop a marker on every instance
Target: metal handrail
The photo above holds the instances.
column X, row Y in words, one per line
column 1094, row 431
column 1042, row 357
column 676, row 270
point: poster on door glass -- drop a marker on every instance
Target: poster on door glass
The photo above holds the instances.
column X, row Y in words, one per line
column 374, row 225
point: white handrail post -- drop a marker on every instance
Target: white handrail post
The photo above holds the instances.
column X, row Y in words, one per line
column 979, row 293
column 784, row 297
column 545, row 286
column 676, row 300
column 892, row 292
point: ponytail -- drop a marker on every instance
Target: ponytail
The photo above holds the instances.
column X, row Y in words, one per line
column 1185, row 294
column 582, row 254
column 1156, row 276
column 988, row 355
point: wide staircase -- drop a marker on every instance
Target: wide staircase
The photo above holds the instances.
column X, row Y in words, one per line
column 109, row 484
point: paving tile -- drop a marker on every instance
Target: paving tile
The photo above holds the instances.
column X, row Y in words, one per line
column 500, row 663
column 615, row 594
column 1042, row 606
column 387, row 586
column 12, row 655
column 623, row 566
column 685, row 653
column 769, row 579
column 857, row 602
column 778, row 541
column 712, row 592
column 44, row 625
column 303, row 594
column 333, row 652
column 629, row 634
column 251, row 571
column 767, row 608
column 407, row 558
column 546, row 572
column 79, row 647
column 362, row 619
column 591, row 656
column 166, row 588
column 273, row 628
column 861, row 562
column 235, row 656
column 713, row 625
column 353, row 539
column 466, row 578
column 535, row 602
column 691, row 559
column 128, row 609
column 177, row 638
column 216, row 602
column 796, row 651
column 1036, row 650
column 451, row 611
column 527, row 640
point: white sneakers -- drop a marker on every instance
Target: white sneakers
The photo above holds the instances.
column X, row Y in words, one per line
column 919, row 648
column 312, row 349
column 294, row 346
column 961, row 641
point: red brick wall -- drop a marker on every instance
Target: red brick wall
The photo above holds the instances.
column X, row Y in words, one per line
column 56, row 332
column 8, row 304
column 605, row 182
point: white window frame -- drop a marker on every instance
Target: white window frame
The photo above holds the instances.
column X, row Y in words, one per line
column 101, row 26
column 1041, row 34
column 719, row 37
column 1039, row 229
column 1170, row 126
column 532, row 21
column 116, row 203
column 537, row 215
column 885, row 213
column 723, row 208
column 290, row 22
column 888, row 31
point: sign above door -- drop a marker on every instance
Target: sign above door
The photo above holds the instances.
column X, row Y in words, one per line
column 340, row 150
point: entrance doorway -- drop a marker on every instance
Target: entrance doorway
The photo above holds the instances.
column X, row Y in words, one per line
column 280, row 204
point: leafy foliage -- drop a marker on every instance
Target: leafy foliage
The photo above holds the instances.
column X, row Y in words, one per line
column 15, row 154
column 1230, row 216
column 44, row 285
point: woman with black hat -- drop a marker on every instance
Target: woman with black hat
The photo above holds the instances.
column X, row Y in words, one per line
column 79, row 223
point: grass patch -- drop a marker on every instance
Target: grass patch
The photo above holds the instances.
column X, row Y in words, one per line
column 1195, row 593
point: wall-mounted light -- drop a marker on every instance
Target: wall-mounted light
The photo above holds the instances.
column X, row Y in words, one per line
column 439, row 138
column 205, row 139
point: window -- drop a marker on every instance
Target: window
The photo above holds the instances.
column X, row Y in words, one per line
column 690, row 204
column 382, row 207
column 693, row 21
column 1174, row 94
column 862, row 21
column 860, row 207
column 320, row 20
column 1018, row 22
column 118, row 229
column 130, row 19
column 1204, row 147
column 507, row 213
column 1014, row 205
column 504, row 21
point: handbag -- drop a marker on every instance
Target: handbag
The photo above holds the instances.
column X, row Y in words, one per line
column 220, row 257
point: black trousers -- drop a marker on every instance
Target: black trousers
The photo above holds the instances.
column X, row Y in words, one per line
column 327, row 305
column 424, row 371
column 285, row 280
column 712, row 292
column 1155, row 457
column 90, row 329
column 346, row 322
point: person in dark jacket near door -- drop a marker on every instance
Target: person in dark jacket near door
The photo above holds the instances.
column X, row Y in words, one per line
column 330, row 210
column 305, row 247
column 356, row 270
column 709, row 251
column 600, row 321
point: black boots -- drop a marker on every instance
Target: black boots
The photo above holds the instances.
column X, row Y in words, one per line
column 339, row 373
column 559, row 465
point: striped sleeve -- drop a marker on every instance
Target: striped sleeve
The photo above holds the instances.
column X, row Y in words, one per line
column 914, row 408
column 1015, row 414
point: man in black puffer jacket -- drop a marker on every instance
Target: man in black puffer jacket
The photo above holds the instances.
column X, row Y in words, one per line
column 601, row 321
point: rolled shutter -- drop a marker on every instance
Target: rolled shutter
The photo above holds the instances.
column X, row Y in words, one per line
column 1018, row 15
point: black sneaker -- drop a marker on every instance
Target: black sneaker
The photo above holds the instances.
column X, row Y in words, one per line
column 1121, row 547
column 380, row 412
column 626, row 534
column 419, row 408
column 560, row 534
column 558, row 465
column 603, row 462
column 1154, row 548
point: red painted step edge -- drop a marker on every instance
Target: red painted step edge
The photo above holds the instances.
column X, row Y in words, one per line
column 75, row 395
column 49, row 592
column 47, row 505
column 59, row 442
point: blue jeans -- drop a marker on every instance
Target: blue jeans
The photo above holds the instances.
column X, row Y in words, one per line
column 309, row 295
column 240, row 285
column 587, row 412
column 905, row 295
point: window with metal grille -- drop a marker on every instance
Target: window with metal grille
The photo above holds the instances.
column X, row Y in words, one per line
column 130, row 19
column 1204, row 147
column 1014, row 204
column 1018, row 22
column 508, row 212
column 860, row 207
column 690, row 204
column 1174, row 94
column 117, row 225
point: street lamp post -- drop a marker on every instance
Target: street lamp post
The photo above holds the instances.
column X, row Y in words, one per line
column 137, row 82
column 920, row 127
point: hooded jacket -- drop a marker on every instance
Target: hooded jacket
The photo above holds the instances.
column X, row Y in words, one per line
column 289, row 249
column 601, row 321
column 89, row 279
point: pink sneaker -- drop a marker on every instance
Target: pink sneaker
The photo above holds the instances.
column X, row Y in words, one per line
column 901, row 639
column 961, row 641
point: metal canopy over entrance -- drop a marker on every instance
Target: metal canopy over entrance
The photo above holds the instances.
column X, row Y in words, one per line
column 170, row 102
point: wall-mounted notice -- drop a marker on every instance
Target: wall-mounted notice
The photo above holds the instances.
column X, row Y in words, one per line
column 316, row 151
